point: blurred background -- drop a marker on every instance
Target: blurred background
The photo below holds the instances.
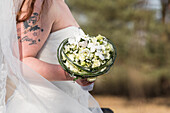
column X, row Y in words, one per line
column 139, row 81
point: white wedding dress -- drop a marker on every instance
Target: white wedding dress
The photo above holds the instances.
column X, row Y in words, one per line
column 61, row 96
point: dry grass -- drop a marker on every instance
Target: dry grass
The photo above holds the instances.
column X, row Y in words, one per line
column 122, row 105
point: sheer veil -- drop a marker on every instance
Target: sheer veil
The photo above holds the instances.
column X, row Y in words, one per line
column 11, row 67
column 14, row 74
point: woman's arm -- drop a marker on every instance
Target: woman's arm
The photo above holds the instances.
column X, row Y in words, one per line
column 51, row 72
column 32, row 34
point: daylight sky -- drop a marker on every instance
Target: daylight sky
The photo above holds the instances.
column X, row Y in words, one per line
column 154, row 4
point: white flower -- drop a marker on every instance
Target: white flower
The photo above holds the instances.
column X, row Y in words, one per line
column 110, row 47
column 85, row 37
column 98, row 47
column 71, row 41
column 81, row 57
column 104, row 52
column 104, row 43
column 96, row 63
column 107, row 55
column 97, row 53
column 83, row 44
column 77, row 37
column 75, row 51
column 94, row 41
column 92, row 47
column 97, row 43
column 84, row 51
column 100, row 55
column 103, row 47
column 67, row 49
column 90, row 55
column 99, row 37
column 88, row 61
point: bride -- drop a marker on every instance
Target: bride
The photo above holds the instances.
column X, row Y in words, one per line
column 32, row 81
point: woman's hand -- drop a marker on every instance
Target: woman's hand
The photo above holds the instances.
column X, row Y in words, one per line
column 83, row 82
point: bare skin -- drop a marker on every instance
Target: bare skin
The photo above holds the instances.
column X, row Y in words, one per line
column 32, row 34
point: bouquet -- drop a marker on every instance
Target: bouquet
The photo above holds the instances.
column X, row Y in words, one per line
column 86, row 56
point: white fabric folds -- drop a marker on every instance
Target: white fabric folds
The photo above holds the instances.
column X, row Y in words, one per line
column 22, row 90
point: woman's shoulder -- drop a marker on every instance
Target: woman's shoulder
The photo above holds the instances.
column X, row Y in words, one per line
column 55, row 8
column 57, row 3
column 59, row 0
column 63, row 15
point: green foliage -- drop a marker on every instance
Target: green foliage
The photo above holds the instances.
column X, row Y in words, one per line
column 140, row 38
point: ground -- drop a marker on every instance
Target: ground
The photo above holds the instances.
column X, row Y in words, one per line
column 123, row 105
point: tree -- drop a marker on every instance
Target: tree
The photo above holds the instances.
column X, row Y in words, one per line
column 165, row 8
column 140, row 38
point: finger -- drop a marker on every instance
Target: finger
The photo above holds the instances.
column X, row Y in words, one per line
column 88, row 83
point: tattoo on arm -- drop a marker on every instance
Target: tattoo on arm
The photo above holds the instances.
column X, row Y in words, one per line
column 30, row 26
column 34, row 28
column 26, row 38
